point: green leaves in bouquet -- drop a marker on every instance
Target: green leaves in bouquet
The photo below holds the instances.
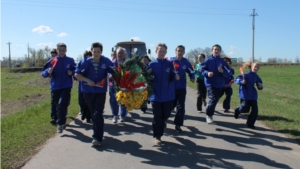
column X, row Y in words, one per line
column 134, row 64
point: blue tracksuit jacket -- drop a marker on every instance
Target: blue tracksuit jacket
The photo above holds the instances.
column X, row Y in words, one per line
column 163, row 87
column 80, row 83
column 248, row 91
column 211, row 65
column 59, row 77
column 184, row 67
column 229, row 78
column 87, row 70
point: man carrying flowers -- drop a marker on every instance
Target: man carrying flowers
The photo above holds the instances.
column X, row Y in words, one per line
column 114, row 105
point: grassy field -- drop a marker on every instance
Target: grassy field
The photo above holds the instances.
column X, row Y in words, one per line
column 278, row 102
column 25, row 123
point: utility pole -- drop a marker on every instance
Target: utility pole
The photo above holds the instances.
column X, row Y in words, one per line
column 253, row 27
column 9, row 57
column 28, row 55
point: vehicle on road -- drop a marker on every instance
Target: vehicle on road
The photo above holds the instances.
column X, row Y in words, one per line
column 133, row 48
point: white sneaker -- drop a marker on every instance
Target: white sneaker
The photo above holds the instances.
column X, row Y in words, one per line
column 95, row 142
column 122, row 119
column 115, row 119
column 209, row 119
column 59, row 128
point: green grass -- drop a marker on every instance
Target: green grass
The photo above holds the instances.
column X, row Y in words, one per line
column 16, row 85
column 278, row 102
column 25, row 131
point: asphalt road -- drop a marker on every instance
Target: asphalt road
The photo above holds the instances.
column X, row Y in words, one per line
column 225, row 144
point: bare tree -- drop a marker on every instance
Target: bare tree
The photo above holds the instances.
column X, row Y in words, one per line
column 279, row 60
column 297, row 60
column 207, row 52
column 33, row 54
column 272, row 60
column 40, row 57
column 193, row 54
column 240, row 60
column 47, row 53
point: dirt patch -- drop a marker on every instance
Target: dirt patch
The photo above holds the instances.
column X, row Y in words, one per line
column 11, row 106
column 37, row 82
column 16, row 76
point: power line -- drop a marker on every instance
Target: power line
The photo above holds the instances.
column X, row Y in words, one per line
column 138, row 3
column 279, row 20
column 280, row 25
column 71, row 6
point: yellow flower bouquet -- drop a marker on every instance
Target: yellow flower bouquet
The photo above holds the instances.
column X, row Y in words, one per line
column 133, row 83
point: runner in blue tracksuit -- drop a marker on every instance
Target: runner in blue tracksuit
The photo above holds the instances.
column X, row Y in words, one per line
column 84, row 109
column 214, row 69
column 181, row 66
column 114, row 105
column 227, row 89
column 248, row 93
column 93, row 71
column 60, row 69
column 53, row 105
column 163, row 90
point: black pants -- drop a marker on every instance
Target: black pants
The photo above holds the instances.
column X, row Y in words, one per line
column 84, row 109
column 245, row 108
column 214, row 96
column 228, row 93
column 96, row 103
column 161, row 112
column 61, row 99
column 201, row 93
column 53, row 113
column 179, row 103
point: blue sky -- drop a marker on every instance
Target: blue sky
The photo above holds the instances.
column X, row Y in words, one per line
column 192, row 23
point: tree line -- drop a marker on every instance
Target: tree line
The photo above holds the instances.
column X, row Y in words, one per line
column 38, row 57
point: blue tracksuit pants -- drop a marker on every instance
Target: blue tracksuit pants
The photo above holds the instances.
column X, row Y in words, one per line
column 96, row 103
column 83, row 106
column 61, row 99
column 179, row 102
column 114, row 105
column 228, row 93
column 214, row 95
column 161, row 112
column 245, row 108
column 53, row 113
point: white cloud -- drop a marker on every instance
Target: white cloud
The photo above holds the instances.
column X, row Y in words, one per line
column 152, row 45
column 63, row 34
column 135, row 38
column 42, row 29
column 45, row 44
column 232, row 50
